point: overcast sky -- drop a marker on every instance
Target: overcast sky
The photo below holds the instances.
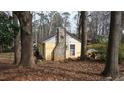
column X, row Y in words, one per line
column 72, row 21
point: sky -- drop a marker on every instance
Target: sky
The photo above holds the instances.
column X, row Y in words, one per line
column 72, row 21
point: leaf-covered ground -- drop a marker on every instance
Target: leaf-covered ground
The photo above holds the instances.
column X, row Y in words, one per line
column 70, row 70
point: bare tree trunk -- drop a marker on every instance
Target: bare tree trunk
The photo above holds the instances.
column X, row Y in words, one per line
column 112, row 68
column 17, row 46
column 25, row 19
column 83, row 35
column 17, row 49
column 122, row 35
column 0, row 48
column 79, row 26
column 50, row 28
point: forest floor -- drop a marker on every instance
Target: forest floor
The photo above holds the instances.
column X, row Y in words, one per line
column 53, row 71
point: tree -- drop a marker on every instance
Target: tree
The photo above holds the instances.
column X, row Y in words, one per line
column 34, row 27
column 98, row 23
column 46, row 24
column 50, row 22
column 56, row 21
column 66, row 22
column 78, row 23
column 42, row 23
column 83, row 35
column 122, row 33
column 6, row 33
column 111, row 67
column 17, row 45
column 25, row 19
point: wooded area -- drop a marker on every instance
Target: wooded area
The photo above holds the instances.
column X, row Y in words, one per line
column 52, row 45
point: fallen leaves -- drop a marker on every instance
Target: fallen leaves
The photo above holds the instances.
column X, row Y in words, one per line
column 53, row 71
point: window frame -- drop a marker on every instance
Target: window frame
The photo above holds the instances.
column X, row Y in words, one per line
column 72, row 50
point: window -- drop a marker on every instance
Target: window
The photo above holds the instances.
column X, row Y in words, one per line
column 72, row 50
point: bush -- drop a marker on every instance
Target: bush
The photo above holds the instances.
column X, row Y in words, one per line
column 121, row 52
column 102, row 49
column 101, row 39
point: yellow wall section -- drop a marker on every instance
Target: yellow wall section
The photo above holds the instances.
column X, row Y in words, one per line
column 48, row 50
column 50, row 46
column 78, row 50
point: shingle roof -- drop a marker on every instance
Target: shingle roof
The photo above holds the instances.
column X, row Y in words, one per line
column 70, row 34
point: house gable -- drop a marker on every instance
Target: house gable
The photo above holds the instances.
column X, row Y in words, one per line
column 50, row 40
column 69, row 39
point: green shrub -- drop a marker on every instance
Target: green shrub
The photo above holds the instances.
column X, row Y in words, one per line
column 101, row 39
column 102, row 49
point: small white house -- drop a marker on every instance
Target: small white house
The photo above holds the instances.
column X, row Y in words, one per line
column 73, row 46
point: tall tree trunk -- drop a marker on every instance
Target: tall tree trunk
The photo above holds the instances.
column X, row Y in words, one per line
column 25, row 19
column 0, row 48
column 50, row 29
column 83, row 35
column 112, row 68
column 79, row 26
column 17, row 46
column 122, row 35
column 17, row 49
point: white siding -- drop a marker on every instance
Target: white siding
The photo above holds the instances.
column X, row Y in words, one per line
column 69, row 41
column 50, row 44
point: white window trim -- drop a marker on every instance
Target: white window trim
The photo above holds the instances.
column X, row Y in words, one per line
column 70, row 51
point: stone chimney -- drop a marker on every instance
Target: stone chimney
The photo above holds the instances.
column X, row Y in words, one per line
column 59, row 52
